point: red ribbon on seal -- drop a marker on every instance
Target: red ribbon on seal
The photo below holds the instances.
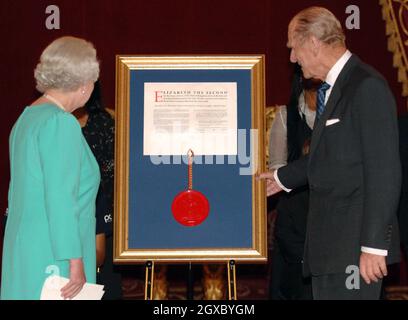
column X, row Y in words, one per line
column 190, row 207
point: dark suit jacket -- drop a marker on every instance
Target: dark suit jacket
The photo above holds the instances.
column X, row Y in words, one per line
column 403, row 205
column 353, row 171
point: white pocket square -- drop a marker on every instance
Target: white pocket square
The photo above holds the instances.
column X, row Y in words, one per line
column 331, row 122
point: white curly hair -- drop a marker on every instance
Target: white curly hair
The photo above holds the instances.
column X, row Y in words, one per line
column 67, row 64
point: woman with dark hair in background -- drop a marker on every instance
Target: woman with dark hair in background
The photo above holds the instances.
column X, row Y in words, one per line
column 289, row 140
column 98, row 127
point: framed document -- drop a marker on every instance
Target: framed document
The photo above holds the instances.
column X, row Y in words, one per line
column 189, row 139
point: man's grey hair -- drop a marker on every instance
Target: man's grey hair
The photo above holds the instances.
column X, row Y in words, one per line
column 320, row 23
column 67, row 64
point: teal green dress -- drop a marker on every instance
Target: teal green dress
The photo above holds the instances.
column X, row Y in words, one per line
column 52, row 191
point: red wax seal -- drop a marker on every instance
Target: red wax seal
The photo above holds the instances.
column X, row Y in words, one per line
column 190, row 208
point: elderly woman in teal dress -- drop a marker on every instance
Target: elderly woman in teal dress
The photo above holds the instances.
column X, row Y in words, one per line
column 54, row 179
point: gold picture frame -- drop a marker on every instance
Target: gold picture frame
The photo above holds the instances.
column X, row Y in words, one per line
column 130, row 67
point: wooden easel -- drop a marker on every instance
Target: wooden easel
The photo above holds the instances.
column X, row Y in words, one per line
column 232, row 285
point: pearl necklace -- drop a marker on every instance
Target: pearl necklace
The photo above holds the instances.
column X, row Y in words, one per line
column 52, row 99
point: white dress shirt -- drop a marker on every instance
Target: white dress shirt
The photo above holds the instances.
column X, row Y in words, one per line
column 331, row 80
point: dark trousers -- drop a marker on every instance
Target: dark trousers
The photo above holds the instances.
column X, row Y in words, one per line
column 287, row 281
column 109, row 275
column 333, row 287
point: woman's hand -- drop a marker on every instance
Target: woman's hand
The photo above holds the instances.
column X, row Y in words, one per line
column 77, row 279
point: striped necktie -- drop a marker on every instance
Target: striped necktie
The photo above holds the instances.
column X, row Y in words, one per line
column 321, row 95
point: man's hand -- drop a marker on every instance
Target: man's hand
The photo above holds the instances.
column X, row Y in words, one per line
column 372, row 267
column 272, row 186
column 76, row 279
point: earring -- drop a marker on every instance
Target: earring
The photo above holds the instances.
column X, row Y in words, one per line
column 83, row 91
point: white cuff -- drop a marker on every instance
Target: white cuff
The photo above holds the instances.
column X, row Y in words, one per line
column 378, row 252
column 275, row 176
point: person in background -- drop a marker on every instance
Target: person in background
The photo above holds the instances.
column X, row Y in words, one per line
column 98, row 128
column 54, row 179
column 289, row 140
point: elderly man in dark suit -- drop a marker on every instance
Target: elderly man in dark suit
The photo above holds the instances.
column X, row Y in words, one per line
column 353, row 168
